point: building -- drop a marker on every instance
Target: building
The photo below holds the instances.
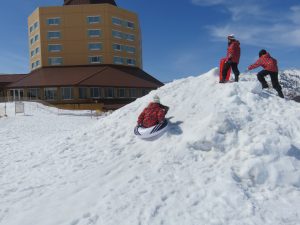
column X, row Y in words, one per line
column 84, row 52
column 84, row 33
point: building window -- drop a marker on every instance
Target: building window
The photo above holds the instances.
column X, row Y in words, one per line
column 117, row 47
column 33, row 93
column 95, row 92
column 31, row 41
column 37, row 63
column 129, row 24
column 121, row 93
column 53, row 34
column 53, row 21
column 32, row 65
column 82, row 93
column 145, row 92
column 129, row 37
column 95, row 59
column 36, row 38
column 55, row 61
column 133, row 93
column 54, row 48
column 118, row 60
column 93, row 19
column 94, row 33
column 109, row 92
column 117, row 34
column 95, row 46
column 117, row 21
column 131, row 62
column 130, row 49
column 50, row 93
column 32, row 53
column 66, row 93
column 35, row 25
column 37, row 50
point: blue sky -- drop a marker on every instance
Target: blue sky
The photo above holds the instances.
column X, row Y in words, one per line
column 180, row 37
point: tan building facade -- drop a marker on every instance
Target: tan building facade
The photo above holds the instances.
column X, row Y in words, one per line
column 84, row 34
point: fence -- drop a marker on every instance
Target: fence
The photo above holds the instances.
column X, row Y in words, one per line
column 19, row 107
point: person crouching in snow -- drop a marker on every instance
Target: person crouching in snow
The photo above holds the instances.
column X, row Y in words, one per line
column 270, row 68
column 153, row 114
column 232, row 58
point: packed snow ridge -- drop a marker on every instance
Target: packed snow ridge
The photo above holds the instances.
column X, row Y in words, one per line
column 231, row 156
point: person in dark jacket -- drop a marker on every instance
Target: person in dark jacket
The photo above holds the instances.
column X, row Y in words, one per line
column 270, row 68
column 153, row 114
column 232, row 58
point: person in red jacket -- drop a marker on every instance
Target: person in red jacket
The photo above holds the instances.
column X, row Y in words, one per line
column 270, row 68
column 153, row 114
column 232, row 58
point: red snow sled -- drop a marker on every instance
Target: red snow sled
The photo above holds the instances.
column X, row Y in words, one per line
column 222, row 62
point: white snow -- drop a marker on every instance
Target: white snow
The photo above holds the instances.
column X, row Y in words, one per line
column 230, row 157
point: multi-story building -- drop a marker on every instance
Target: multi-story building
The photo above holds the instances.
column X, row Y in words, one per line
column 84, row 33
column 84, row 54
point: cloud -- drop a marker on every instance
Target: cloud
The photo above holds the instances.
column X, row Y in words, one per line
column 257, row 23
column 208, row 2
column 295, row 14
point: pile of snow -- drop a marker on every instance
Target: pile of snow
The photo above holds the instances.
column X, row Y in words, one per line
column 231, row 156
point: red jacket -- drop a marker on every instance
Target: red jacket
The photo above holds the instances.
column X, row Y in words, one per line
column 267, row 62
column 234, row 52
column 151, row 115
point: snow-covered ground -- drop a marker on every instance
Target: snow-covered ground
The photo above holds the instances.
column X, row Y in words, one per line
column 230, row 157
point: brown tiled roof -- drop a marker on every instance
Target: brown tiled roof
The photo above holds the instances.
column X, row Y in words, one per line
column 11, row 78
column 79, row 2
column 101, row 75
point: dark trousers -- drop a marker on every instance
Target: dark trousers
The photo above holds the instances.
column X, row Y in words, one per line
column 234, row 69
column 274, row 79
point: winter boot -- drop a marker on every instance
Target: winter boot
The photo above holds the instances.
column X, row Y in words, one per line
column 280, row 94
column 236, row 79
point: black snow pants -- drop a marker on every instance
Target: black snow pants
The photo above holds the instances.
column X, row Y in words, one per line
column 234, row 69
column 274, row 79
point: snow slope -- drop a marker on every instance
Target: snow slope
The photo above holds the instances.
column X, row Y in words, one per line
column 230, row 157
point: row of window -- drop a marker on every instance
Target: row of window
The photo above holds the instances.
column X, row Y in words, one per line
column 56, row 61
column 127, row 61
column 34, row 39
column 94, row 20
column 57, row 35
column 35, row 51
column 35, row 64
column 121, row 35
column 67, row 93
column 97, row 46
column 124, row 23
column 95, row 33
column 125, row 48
column 34, row 26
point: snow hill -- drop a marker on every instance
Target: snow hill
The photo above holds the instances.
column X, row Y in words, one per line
column 230, row 157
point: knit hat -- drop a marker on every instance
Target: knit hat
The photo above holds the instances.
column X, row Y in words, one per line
column 156, row 99
column 262, row 52
column 231, row 37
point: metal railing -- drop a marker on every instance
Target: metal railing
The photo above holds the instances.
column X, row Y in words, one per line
column 50, row 108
